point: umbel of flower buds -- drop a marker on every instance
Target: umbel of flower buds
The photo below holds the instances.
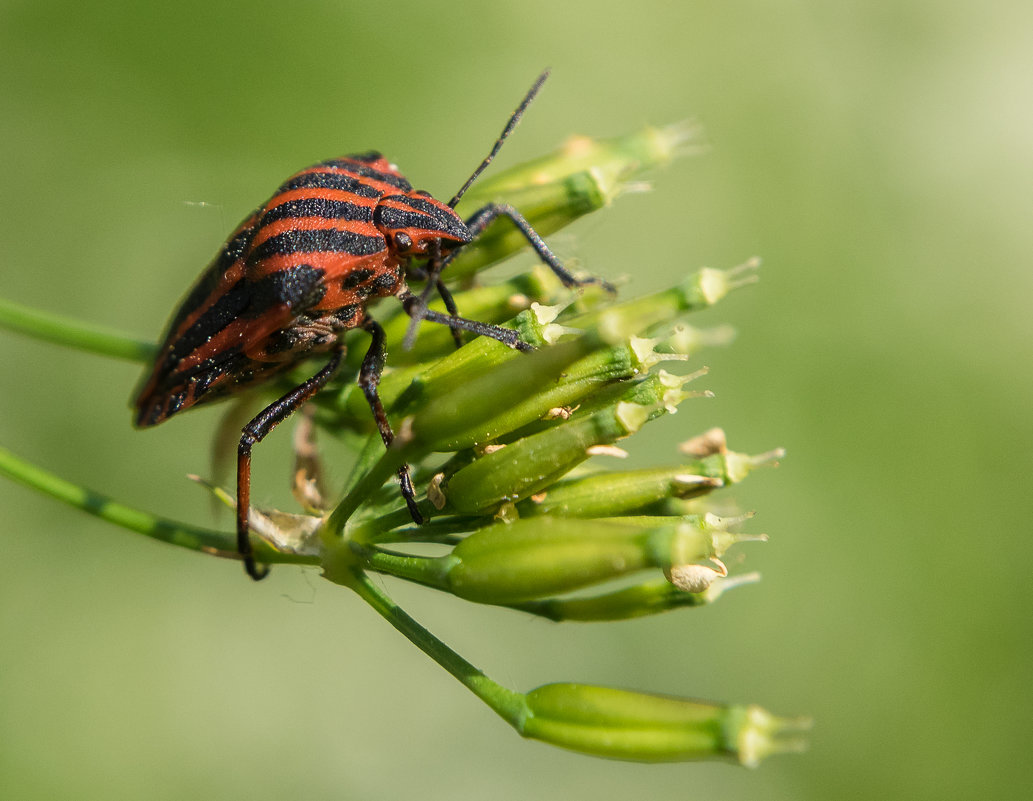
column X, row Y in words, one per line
column 512, row 457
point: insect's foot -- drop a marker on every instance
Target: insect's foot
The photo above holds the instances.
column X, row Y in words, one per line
column 255, row 570
column 591, row 280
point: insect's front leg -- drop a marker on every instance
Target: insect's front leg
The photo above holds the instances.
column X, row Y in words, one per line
column 417, row 306
column 253, row 433
column 450, row 305
column 414, row 307
column 483, row 217
column 432, row 276
column 369, row 379
column 437, row 264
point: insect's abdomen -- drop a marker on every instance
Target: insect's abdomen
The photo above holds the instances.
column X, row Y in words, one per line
column 296, row 272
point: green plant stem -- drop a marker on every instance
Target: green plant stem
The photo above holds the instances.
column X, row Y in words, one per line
column 62, row 331
column 369, row 483
column 159, row 528
column 506, row 703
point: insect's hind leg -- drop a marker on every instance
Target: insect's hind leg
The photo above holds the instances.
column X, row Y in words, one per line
column 369, row 379
column 253, row 433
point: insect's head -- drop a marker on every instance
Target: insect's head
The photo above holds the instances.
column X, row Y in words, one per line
column 413, row 222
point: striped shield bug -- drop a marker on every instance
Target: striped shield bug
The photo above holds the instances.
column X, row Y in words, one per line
column 300, row 271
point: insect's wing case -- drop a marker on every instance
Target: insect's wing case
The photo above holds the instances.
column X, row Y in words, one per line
column 311, row 247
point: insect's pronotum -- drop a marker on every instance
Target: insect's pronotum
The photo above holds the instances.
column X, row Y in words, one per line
column 299, row 272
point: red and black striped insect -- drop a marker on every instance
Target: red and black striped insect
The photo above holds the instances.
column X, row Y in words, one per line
column 300, row 271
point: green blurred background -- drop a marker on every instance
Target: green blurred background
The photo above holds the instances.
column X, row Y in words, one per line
column 876, row 155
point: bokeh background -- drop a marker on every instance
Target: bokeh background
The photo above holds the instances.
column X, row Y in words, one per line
column 878, row 156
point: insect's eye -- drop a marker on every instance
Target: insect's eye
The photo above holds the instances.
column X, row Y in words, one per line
column 403, row 242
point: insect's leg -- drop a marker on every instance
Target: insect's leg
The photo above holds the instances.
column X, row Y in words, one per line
column 482, row 218
column 453, row 310
column 432, row 276
column 434, row 280
column 369, row 379
column 416, row 305
column 507, row 336
column 254, row 432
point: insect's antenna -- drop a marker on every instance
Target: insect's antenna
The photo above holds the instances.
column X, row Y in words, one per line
column 513, row 120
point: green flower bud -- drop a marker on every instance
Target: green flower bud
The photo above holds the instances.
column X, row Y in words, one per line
column 551, row 192
column 527, row 559
column 642, row 315
column 523, row 468
column 614, row 493
column 547, row 206
column 689, row 339
column 620, row 159
column 454, row 415
column 621, row 724
column 647, row 598
column 532, row 559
